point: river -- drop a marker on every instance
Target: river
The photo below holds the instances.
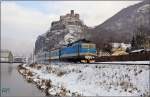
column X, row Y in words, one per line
column 13, row 83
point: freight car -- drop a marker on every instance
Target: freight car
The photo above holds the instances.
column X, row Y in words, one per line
column 78, row 51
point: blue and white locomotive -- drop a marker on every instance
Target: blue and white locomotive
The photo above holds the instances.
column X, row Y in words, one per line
column 79, row 51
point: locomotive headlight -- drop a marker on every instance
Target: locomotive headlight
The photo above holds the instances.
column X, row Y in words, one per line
column 88, row 57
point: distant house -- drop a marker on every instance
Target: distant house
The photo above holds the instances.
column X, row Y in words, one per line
column 120, row 49
column 6, row 56
column 20, row 59
column 120, row 45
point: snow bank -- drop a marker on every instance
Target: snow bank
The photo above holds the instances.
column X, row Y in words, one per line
column 96, row 79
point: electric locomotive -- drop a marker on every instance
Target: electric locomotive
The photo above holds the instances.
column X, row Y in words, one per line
column 78, row 51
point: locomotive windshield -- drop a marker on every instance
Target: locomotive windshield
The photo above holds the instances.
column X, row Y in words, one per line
column 92, row 46
column 88, row 45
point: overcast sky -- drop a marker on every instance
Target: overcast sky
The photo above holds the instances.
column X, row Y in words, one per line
column 23, row 21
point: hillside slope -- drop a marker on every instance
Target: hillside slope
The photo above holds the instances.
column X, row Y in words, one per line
column 121, row 26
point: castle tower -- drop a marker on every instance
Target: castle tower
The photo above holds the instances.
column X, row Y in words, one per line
column 72, row 12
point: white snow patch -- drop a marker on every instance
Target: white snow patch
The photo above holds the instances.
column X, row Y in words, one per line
column 97, row 79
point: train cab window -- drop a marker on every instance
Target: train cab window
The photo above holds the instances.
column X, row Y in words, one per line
column 85, row 45
column 92, row 46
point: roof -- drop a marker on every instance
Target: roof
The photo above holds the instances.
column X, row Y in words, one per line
column 5, row 53
column 138, row 50
column 117, row 53
column 80, row 40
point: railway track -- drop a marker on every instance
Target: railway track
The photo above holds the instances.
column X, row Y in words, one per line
column 110, row 63
column 126, row 63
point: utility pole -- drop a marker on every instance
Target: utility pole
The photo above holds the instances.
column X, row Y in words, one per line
column 33, row 56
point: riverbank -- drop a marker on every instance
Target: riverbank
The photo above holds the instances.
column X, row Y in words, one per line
column 68, row 79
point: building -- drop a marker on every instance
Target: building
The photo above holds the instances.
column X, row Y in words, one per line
column 120, row 45
column 20, row 59
column 6, row 56
column 120, row 49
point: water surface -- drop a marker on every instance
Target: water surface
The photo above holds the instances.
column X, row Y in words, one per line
column 13, row 83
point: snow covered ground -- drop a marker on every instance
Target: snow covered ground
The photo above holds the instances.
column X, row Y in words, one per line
column 94, row 79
